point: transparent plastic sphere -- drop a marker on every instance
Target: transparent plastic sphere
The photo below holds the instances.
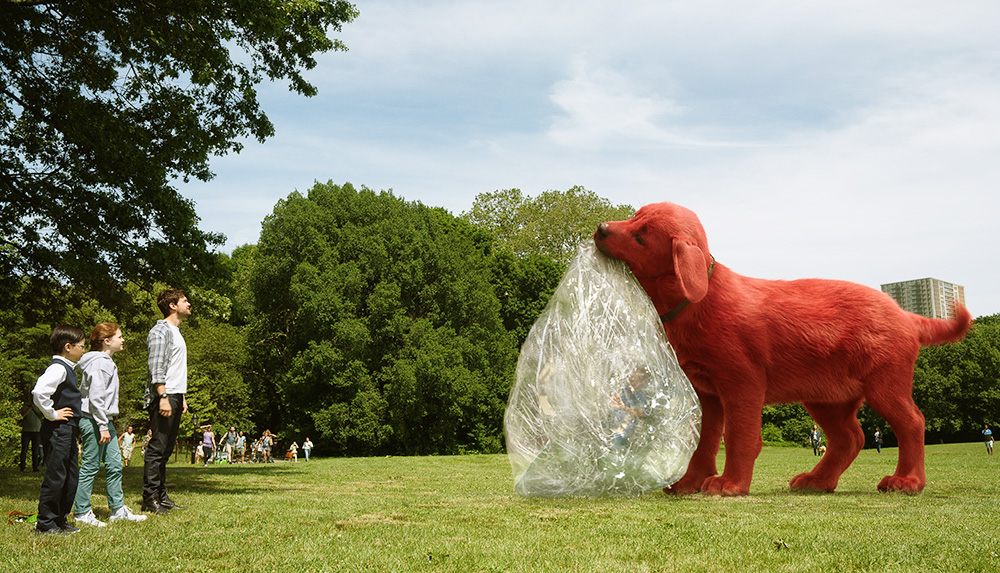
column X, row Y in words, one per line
column 600, row 405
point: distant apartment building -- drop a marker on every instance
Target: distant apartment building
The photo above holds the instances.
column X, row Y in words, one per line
column 928, row 297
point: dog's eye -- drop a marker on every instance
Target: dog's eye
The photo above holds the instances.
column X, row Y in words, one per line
column 638, row 239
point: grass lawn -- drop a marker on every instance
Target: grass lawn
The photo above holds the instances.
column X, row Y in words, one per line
column 461, row 514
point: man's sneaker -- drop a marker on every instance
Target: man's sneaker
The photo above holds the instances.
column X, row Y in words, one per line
column 124, row 514
column 168, row 503
column 53, row 531
column 90, row 519
column 153, row 506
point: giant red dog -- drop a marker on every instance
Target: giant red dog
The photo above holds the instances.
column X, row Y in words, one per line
column 746, row 342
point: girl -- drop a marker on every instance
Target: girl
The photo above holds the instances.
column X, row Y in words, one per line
column 99, row 388
column 207, row 443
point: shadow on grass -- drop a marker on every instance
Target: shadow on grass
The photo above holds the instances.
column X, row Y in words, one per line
column 20, row 488
column 219, row 479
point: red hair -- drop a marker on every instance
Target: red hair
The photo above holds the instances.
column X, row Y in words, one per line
column 100, row 332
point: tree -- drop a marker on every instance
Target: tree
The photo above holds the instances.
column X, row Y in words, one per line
column 523, row 285
column 104, row 104
column 379, row 330
column 552, row 224
column 957, row 386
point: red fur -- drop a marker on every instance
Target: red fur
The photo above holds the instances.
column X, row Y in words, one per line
column 746, row 342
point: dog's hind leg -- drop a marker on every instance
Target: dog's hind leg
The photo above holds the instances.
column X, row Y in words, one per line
column 896, row 405
column 845, row 438
column 702, row 464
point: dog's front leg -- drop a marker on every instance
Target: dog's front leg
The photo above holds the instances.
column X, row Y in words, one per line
column 702, row 464
column 741, row 410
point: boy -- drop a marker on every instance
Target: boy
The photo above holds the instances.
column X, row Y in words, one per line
column 57, row 397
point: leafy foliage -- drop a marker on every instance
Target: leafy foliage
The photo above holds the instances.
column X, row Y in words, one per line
column 379, row 328
column 551, row 224
column 103, row 104
column 957, row 386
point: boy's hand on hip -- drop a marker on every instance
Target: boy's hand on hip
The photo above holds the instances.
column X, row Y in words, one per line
column 64, row 414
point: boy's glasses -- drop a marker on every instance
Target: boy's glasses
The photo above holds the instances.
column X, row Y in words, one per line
column 81, row 345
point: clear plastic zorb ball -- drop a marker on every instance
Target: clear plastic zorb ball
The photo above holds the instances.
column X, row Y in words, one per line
column 600, row 405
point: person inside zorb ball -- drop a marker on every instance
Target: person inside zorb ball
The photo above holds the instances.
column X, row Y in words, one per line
column 600, row 405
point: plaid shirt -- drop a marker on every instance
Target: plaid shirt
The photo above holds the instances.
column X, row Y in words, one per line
column 158, row 343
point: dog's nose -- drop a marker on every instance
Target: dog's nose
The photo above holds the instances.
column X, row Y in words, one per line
column 602, row 231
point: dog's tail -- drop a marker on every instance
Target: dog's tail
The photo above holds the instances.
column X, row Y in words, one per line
column 938, row 331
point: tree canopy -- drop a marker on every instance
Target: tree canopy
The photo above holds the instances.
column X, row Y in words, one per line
column 551, row 224
column 104, row 104
column 378, row 329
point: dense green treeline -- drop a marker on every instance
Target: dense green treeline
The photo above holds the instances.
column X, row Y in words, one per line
column 375, row 325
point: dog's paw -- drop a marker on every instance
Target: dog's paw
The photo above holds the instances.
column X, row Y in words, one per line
column 719, row 485
column 810, row 481
column 685, row 486
column 901, row 484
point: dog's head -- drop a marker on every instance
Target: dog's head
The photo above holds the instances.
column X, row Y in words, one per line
column 661, row 240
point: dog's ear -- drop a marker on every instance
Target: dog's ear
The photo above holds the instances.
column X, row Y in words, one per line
column 689, row 266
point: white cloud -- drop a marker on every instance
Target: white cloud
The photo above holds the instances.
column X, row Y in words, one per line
column 844, row 139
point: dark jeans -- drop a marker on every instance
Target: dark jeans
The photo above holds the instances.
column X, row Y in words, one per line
column 62, row 472
column 36, row 454
column 161, row 445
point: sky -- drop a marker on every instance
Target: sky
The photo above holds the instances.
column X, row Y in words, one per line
column 850, row 140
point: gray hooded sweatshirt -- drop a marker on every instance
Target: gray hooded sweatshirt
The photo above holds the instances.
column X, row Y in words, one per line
column 99, row 387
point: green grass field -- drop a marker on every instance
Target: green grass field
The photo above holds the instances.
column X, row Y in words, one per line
column 461, row 514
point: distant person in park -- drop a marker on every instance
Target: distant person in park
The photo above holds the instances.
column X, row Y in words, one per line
column 241, row 447
column 307, row 447
column 165, row 397
column 816, row 439
column 126, row 442
column 207, row 442
column 988, row 438
column 229, row 440
column 294, row 450
column 31, row 436
column 266, row 443
column 878, row 440
column 145, row 442
column 99, row 392
column 57, row 396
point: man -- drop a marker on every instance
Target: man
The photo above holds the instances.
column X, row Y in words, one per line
column 230, row 441
column 165, row 397
column 31, row 435
column 241, row 447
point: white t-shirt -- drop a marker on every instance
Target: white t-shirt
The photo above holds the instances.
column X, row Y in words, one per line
column 176, row 363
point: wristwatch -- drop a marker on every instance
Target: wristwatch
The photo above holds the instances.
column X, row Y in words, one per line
column 164, row 395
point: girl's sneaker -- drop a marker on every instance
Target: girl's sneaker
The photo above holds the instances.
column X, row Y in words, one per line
column 123, row 514
column 90, row 519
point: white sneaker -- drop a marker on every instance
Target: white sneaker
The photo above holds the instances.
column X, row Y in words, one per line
column 124, row 514
column 90, row 519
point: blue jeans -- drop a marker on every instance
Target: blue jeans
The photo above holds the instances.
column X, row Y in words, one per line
column 90, row 463
column 32, row 439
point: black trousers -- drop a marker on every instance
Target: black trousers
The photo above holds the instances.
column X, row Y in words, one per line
column 62, row 471
column 32, row 438
column 161, row 445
